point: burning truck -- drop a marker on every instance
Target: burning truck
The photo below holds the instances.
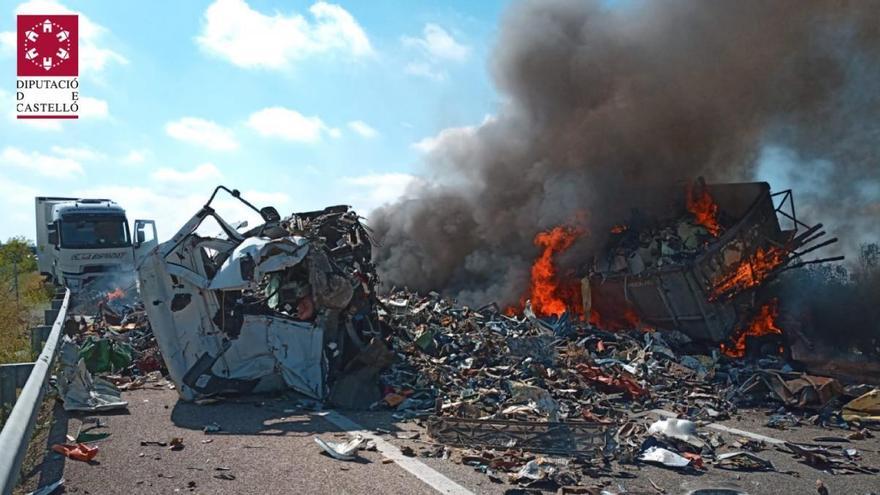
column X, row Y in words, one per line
column 691, row 259
column 289, row 303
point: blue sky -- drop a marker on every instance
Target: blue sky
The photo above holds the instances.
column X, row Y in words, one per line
column 299, row 104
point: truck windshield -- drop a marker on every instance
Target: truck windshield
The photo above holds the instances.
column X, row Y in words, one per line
column 95, row 232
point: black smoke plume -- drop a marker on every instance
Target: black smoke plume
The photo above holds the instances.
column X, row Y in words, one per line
column 603, row 100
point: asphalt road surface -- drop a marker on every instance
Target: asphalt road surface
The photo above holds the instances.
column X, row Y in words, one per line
column 266, row 445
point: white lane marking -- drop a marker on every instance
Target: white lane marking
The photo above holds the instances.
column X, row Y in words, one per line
column 417, row 468
column 727, row 429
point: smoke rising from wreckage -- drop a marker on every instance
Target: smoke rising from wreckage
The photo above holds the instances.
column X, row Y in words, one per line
column 604, row 105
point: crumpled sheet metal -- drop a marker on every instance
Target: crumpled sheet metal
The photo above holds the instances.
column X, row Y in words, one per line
column 569, row 437
column 865, row 408
column 794, row 389
column 743, row 461
column 79, row 390
column 263, row 256
column 835, row 461
column 537, row 396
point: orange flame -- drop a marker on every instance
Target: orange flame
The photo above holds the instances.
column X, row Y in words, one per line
column 749, row 272
column 117, row 293
column 551, row 296
column 764, row 323
column 618, row 229
column 704, row 208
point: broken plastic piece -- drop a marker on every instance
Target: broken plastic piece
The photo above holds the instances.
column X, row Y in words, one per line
column 678, row 429
column 77, row 452
column 668, row 458
column 342, row 451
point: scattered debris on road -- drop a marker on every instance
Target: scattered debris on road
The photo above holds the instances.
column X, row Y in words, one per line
column 540, row 394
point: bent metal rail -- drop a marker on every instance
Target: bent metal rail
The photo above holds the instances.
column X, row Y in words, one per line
column 16, row 434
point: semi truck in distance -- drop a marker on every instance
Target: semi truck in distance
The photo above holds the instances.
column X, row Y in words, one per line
column 82, row 240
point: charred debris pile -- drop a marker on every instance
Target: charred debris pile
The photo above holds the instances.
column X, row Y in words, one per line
column 674, row 315
column 671, row 316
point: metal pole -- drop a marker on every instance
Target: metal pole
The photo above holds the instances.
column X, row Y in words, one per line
column 15, row 269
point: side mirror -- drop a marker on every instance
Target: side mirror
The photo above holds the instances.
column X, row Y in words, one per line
column 269, row 214
column 140, row 237
column 53, row 234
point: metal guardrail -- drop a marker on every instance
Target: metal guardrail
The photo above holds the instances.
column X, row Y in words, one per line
column 19, row 426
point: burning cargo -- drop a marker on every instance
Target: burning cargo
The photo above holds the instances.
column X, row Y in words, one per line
column 287, row 304
column 699, row 273
column 691, row 259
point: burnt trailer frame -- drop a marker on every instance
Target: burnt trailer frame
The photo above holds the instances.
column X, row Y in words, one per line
column 681, row 296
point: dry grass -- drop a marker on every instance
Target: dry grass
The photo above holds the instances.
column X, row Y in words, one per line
column 17, row 317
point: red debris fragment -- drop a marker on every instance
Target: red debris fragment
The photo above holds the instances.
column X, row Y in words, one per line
column 621, row 383
column 77, row 452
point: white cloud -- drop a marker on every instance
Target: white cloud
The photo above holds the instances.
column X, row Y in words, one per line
column 435, row 47
column 438, row 44
column 248, row 38
column 7, row 102
column 7, row 41
column 17, row 203
column 93, row 37
column 368, row 192
column 39, row 124
column 135, row 157
column 78, row 154
column 45, row 165
column 204, row 173
column 289, row 125
column 426, row 70
column 93, row 108
column 203, row 133
column 363, row 129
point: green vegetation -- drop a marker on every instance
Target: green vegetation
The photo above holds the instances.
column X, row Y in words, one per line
column 22, row 297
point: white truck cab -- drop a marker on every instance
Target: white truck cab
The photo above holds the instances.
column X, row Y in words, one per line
column 79, row 240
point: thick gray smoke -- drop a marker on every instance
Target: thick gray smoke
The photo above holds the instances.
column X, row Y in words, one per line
column 602, row 101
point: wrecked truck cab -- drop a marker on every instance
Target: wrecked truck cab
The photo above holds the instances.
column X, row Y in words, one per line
column 288, row 304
